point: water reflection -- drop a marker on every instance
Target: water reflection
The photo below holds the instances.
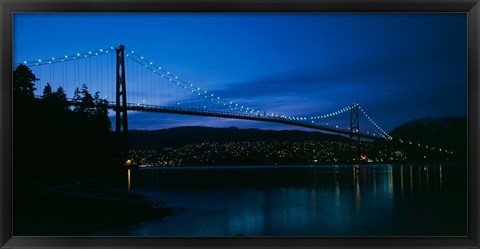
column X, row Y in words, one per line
column 411, row 178
column 357, row 186
column 128, row 177
column 306, row 201
column 440, row 176
column 401, row 178
column 426, row 174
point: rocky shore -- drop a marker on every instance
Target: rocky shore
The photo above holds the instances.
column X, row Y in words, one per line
column 82, row 209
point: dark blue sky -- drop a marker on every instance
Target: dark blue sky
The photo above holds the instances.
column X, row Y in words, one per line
column 396, row 66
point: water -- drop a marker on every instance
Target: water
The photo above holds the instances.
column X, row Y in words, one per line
column 363, row 200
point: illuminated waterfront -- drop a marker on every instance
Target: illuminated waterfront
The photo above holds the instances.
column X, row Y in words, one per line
column 282, row 153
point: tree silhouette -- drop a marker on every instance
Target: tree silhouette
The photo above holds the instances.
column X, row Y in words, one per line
column 101, row 112
column 61, row 98
column 92, row 107
column 47, row 91
column 48, row 131
column 84, row 101
column 55, row 100
column 55, row 144
column 76, row 96
column 23, row 81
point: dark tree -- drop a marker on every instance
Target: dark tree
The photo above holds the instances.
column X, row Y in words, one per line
column 55, row 145
column 23, row 81
column 84, row 102
column 61, row 98
column 54, row 140
column 47, row 91
column 55, row 100
column 92, row 107
column 76, row 96
column 101, row 112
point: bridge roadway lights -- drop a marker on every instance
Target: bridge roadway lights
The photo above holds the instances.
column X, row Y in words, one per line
column 189, row 111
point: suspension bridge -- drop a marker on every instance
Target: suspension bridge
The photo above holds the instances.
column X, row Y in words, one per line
column 153, row 88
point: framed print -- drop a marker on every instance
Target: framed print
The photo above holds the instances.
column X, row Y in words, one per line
column 239, row 124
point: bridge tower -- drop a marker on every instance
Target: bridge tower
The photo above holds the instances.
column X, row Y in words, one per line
column 121, row 107
column 355, row 130
column 354, row 123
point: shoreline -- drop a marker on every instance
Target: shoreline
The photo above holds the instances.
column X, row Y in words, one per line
column 81, row 209
column 295, row 166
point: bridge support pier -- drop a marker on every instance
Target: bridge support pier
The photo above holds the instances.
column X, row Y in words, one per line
column 121, row 127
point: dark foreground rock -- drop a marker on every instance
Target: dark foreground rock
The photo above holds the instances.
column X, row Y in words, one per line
column 76, row 210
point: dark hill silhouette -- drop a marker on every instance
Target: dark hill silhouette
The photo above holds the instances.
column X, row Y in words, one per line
column 446, row 132
column 449, row 133
column 179, row 136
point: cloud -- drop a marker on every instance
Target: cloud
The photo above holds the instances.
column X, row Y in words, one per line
column 322, row 80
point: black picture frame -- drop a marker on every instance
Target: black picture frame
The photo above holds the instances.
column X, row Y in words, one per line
column 7, row 7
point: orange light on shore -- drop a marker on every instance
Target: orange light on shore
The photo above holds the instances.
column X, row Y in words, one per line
column 128, row 162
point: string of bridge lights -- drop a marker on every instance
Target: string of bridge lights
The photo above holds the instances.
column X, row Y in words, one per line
column 388, row 137
column 384, row 134
column 313, row 118
column 208, row 95
column 174, row 79
column 426, row 146
column 65, row 58
column 155, row 69
column 345, row 109
column 162, row 72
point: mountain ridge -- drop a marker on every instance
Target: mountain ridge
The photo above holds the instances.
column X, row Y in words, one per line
column 447, row 131
column 178, row 136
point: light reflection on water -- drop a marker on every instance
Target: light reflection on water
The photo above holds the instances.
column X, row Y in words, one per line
column 307, row 201
column 128, row 180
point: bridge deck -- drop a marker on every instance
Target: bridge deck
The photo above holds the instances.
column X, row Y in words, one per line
column 244, row 116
